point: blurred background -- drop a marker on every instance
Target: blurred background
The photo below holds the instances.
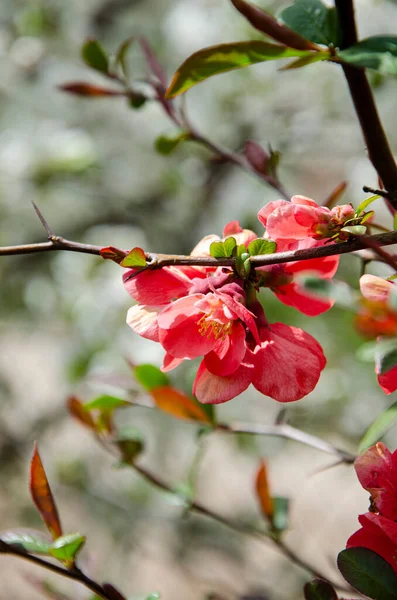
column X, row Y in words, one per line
column 92, row 168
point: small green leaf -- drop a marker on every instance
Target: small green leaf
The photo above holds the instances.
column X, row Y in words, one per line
column 94, row 56
column 382, row 424
column 223, row 249
column 355, row 229
column 105, row 404
column 385, row 356
column 135, row 258
column 29, row 539
column 226, row 57
column 395, row 222
column 121, row 54
column 313, row 20
column 153, row 596
column 280, row 513
column 66, row 548
column 378, row 52
column 130, row 443
column 261, row 246
column 318, row 589
column 165, row 145
column 136, row 99
column 367, row 216
column 368, row 573
column 363, row 205
column 150, row 377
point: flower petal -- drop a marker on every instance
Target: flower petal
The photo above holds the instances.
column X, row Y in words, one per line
column 388, row 381
column 143, row 320
column 288, row 363
column 375, row 288
column 227, row 355
column 308, row 304
column 377, row 472
column 378, row 534
column 213, row 389
column 156, row 287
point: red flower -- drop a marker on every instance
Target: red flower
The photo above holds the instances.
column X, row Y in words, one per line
column 378, row 534
column 377, row 472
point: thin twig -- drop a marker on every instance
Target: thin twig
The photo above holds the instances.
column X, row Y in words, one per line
column 286, row 431
column 201, row 509
column 76, row 574
column 378, row 148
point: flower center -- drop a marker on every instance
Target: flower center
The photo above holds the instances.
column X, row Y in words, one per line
column 208, row 326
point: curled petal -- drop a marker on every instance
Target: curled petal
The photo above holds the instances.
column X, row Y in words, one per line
column 377, row 472
column 267, row 210
column 185, row 340
column 304, row 201
column 203, row 247
column 214, row 389
column 288, row 363
column 143, row 320
column 308, row 304
column 232, row 228
column 375, row 288
column 170, row 363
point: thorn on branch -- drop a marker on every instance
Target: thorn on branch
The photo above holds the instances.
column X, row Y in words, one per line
column 50, row 234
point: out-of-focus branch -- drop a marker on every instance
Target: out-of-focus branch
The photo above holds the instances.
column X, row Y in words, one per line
column 75, row 573
column 375, row 137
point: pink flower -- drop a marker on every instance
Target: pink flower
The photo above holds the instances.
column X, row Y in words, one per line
column 302, row 218
column 378, row 534
column 285, row 364
column 377, row 472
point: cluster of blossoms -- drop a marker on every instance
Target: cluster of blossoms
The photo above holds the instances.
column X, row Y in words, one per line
column 377, row 472
column 214, row 312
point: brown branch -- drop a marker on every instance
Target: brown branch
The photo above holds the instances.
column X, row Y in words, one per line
column 379, row 151
column 157, row 261
column 76, row 574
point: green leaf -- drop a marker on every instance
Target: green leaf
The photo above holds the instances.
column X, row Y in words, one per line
column 66, row 548
column 280, row 513
column 313, row 20
column 355, row 229
column 385, row 356
column 261, row 246
column 135, row 258
column 368, row 573
column 378, row 53
column 395, row 222
column 223, row 249
column 367, row 216
column 94, row 56
column 153, row 596
column 165, row 145
column 121, row 54
column 105, row 404
column 150, row 377
column 307, row 60
column 130, row 443
column 363, row 205
column 29, row 539
column 226, row 57
column 382, row 424
column 318, row 589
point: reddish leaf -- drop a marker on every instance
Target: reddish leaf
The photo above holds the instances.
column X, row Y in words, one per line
column 42, row 496
column 112, row 253
column 177, row 404
column 76, row 409
column 267, row 24
column 263, row 492
column 80, row 88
